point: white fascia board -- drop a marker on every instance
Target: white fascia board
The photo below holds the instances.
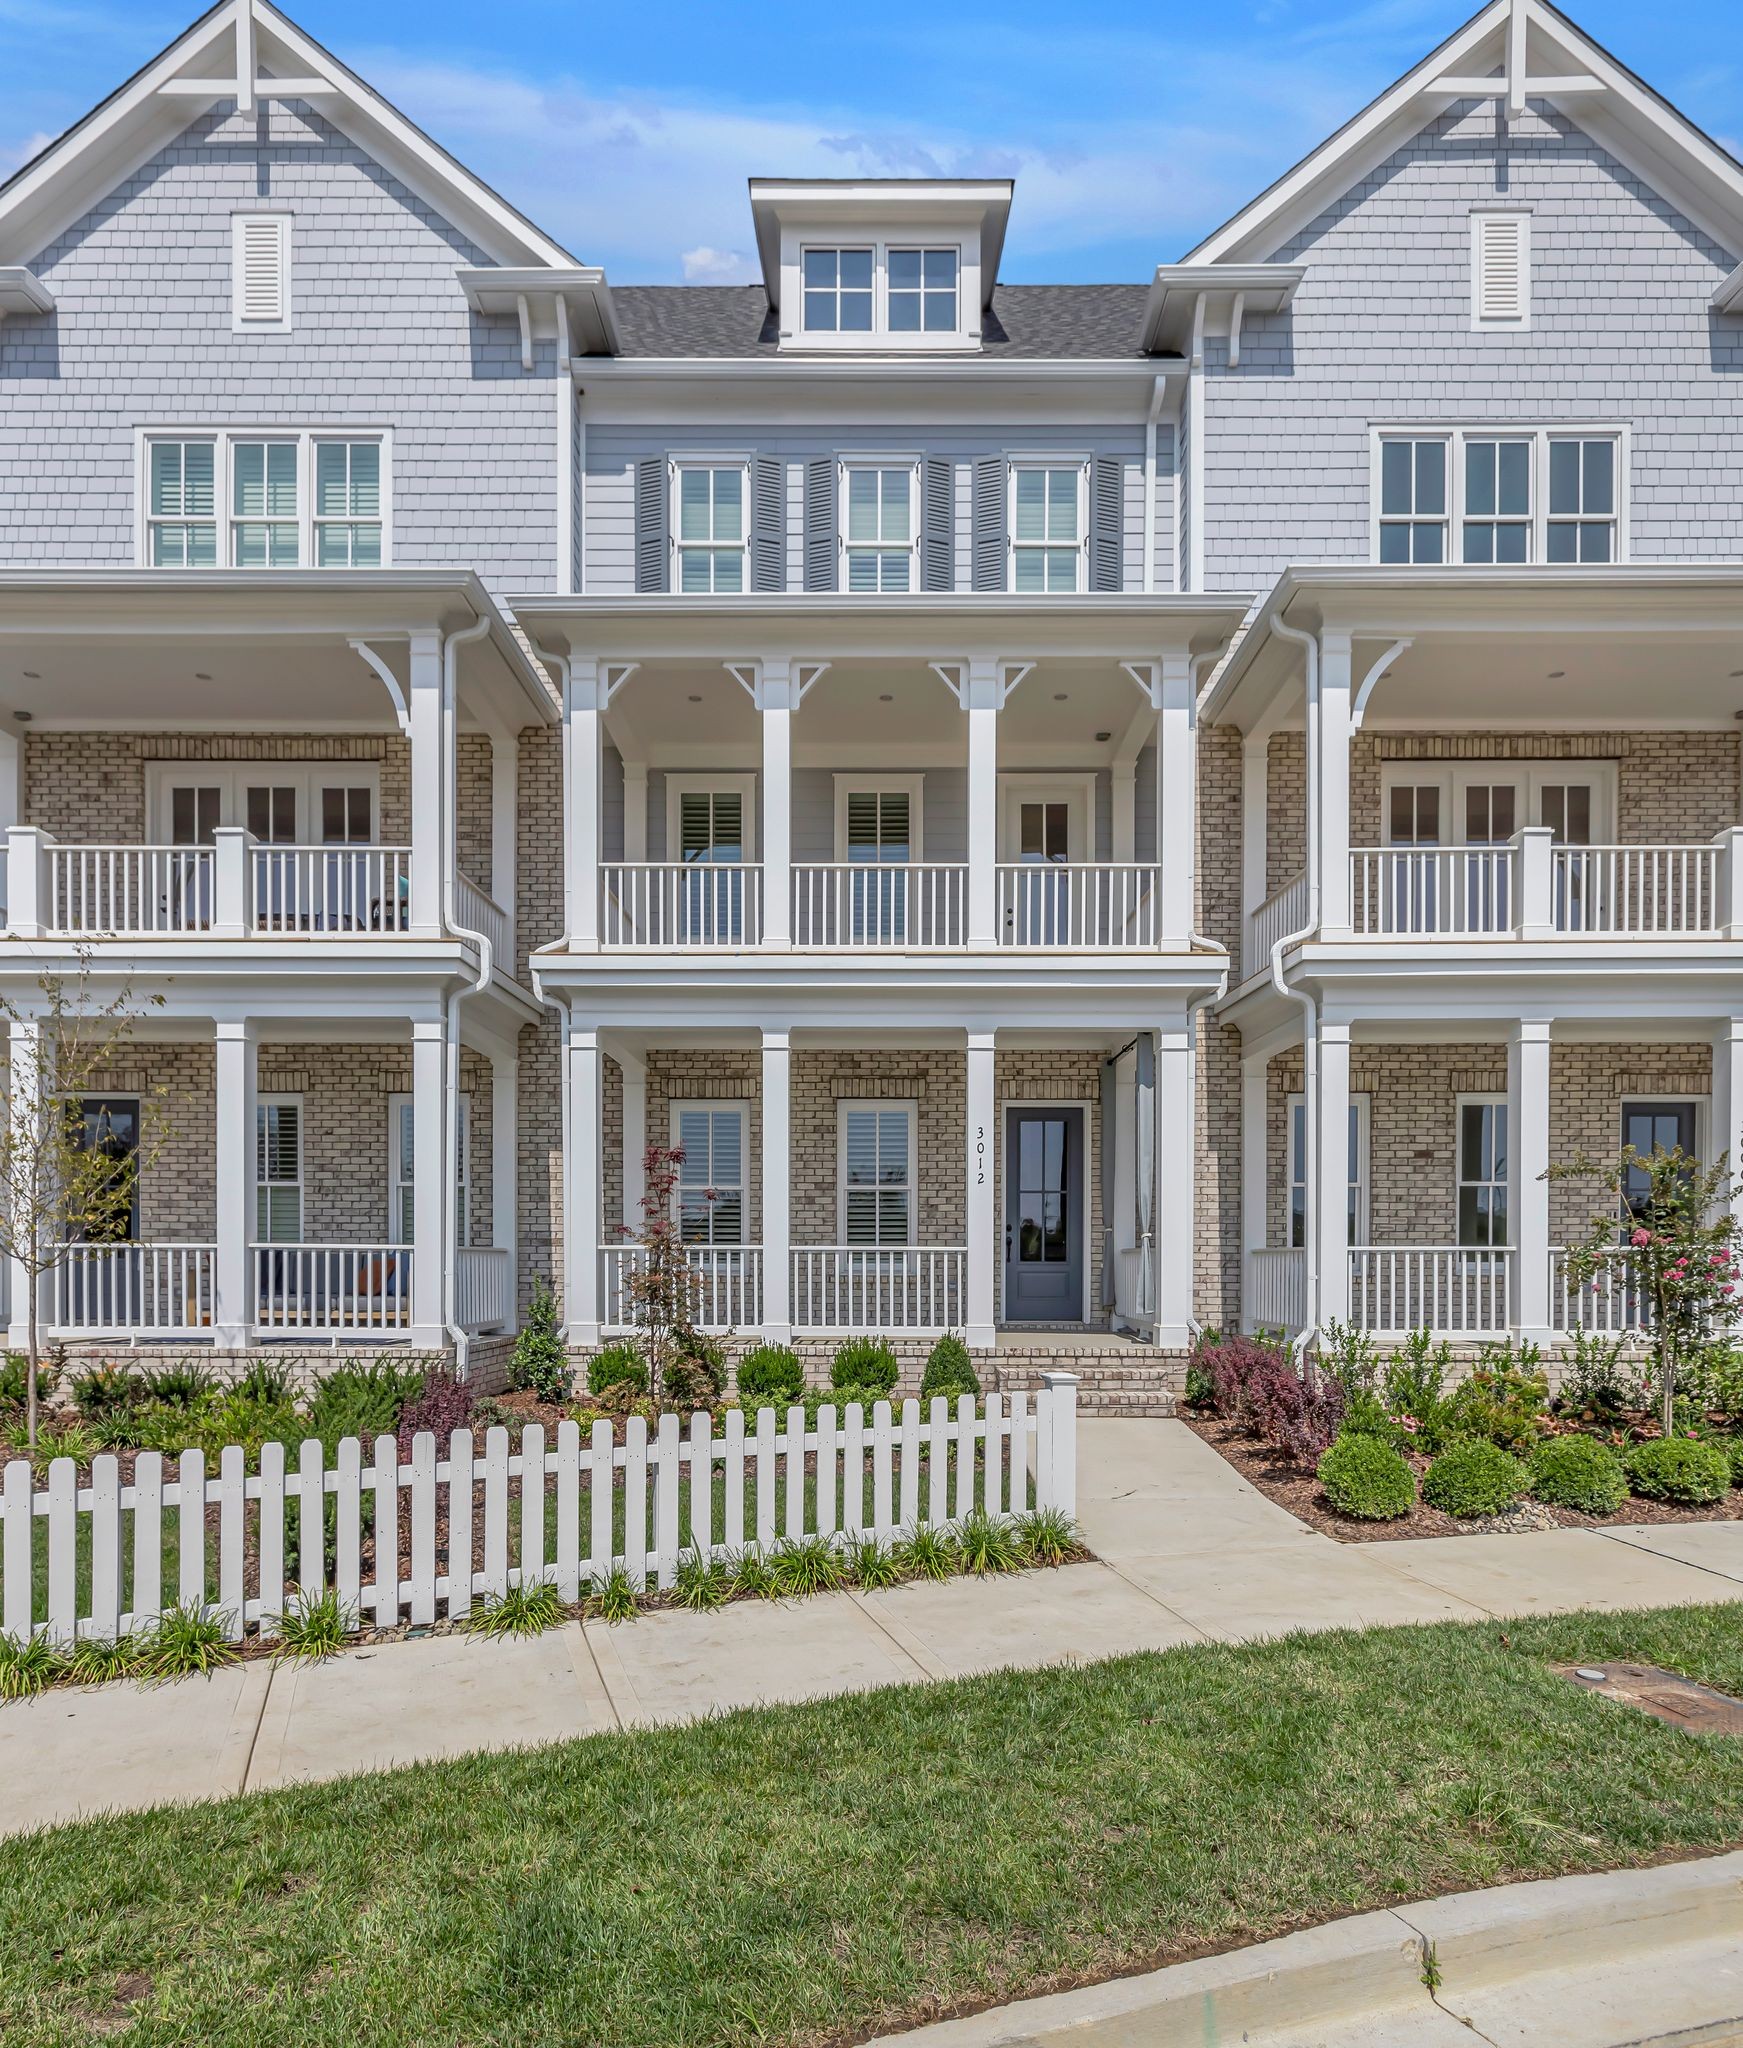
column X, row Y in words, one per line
column 23, row 292
column 1177, row 287
column 892, row 370
column 495, row 290
column 1728, row 293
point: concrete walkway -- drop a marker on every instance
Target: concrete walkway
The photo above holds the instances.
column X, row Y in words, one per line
column 1188, row 1552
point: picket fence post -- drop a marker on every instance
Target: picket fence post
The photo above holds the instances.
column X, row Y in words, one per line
column 1062, row 1442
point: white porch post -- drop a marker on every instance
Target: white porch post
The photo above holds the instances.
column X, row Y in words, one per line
column 431, row 1109
column 1334, row 788
column 1328, row 1206
column 505, row 1157
column 29, row 893
column 1255, row 826
column 1726, row 1135
column 1254, row 1189
column 777, row 697
column 236, row 1086
column 777, row 1180
column 634, row 1098
column 635, row 811
column 428, row 810
column 504, row 825
column 1175, row 1178
column 30, row 1076
column 982, row 691
column 583, row 1182
column 982, row 1188
column 584, row 750
column 1528, row 1052
column 11, row 781
column 1171, row 698
column 1124, row 792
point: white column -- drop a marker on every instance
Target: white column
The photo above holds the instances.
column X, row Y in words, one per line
column 1125, row 810
column 582, row 1182
column 635, row 1136
column 432, row 1239
column 504, row 823
column 30, row 1075
column 29, row 909
column 1328, row 1203
column 1527, row 1163
column 777, row 1181
column 1171, row 695
column 777, row 694
column 1255, row 832
column 231, row 894
column 1728, row 907
column 505, row 1154
column 1254, row 1176
column 584, row 748
column 981, row 691
column 236, row 1085
column 11, row 781
column 1334, row 784
column 635, row 810
column 982, row 1189
column 1726, row 1135
column 1176, row 1178
column 429, row 823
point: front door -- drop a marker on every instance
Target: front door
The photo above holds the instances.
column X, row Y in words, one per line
column 1044, row 1216
column 1653, row 1127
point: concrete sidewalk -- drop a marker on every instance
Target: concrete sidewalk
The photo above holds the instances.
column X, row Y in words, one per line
column 1187, row 1551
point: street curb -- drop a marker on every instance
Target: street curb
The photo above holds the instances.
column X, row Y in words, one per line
column 1373, row 1965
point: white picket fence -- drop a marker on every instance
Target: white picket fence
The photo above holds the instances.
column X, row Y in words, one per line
column 241, row 1552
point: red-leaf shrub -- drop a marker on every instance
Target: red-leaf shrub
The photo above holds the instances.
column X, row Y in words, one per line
column 444, row 1406
column 1260, row 1389
column 1232, row 1365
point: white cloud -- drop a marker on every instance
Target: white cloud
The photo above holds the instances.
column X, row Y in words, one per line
column 15, row 154
column 716, row 266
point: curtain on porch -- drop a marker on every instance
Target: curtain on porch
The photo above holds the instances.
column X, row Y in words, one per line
column 1144, row 1152
column 1109, row 1126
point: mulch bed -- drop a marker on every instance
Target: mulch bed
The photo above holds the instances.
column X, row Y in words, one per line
column 1295, row 1488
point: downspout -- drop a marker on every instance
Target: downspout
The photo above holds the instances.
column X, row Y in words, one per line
column 1305, row 997
column 1158, row 391
column 560, row 662
column 449, row 1237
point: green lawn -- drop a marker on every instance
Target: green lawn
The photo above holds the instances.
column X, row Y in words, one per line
column 816, row 1873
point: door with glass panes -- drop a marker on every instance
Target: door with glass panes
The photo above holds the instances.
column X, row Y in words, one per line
column 713, row 848
column 310, row 873
column 878, row 830
column 1044, row 1216
column 1038, row 842
column 1476, row 814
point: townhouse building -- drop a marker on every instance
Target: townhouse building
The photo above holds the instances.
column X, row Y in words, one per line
column 1083, row 811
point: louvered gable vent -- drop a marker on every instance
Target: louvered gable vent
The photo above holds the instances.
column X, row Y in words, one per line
column 262, row 271
column 1500, row 253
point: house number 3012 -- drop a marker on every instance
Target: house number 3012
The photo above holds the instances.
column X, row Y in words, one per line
column 980, row 1156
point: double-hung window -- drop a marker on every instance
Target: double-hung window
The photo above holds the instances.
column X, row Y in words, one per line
column 877, row 1168
column 1582, row 498
column 1049, row 524
column 712, row 529
column 1497, row 521
column 712, row 1175
column 922, row 291
column 1356, row 1178
column 1483, row 1171
column 879, row 531
column 1506, row 495
column 264, row 499
column 1413, row 500
column 838, row 291
column 401, row 1136
column 278, row 1169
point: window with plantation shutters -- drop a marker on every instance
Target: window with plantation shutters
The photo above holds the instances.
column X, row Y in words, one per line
column 278, row 1169
column 713, row 530
column 711, row 1176
column 877, row 1166
column 182, row 510
column 711, row 826
column 878, row 545
column 260, row 255
column 1500, row 264
column 270, row 497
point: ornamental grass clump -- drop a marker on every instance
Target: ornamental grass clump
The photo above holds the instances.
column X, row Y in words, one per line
column 1048, row 1536
column 807, row 1564
column 184, row 1642
column 927, row 1552
column 314, row 1626
column 97, row 1660
column 1580, row 1473
column 521, row 1611
column 986, row 1544
column 29, row 1667
column 871, row 1564
column 700, row 1583
column 1685, row 1471
column 1474, row 1480
column 1363, row 1476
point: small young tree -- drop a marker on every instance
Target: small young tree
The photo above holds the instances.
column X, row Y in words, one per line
column 1673, row 1219
column 56, row 1186
column 664, row 1288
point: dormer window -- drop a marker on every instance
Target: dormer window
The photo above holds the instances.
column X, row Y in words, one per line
column 923, row 291
column 838, row 291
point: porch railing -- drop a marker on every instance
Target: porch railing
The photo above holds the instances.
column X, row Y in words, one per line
column 128, row 1288
column 1282, row 912
column 324, row 891
column 846, row 904
column 332, row 1289
column 728, row 1280
column 888, row 1287
column 1669, row 891
column 480, row 912
column 1431, row 891
column 483, row 1287
column 129, row 891
column 1610, row 1304
column 1454, row 1289
column 1276, row 1291
column 1085, row 906
column 680, row 903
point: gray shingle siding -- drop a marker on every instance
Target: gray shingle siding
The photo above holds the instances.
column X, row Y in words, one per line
column 380, row 334
column 1380, row 331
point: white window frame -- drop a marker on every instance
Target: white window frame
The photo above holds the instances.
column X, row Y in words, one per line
column 965, row 331
column 1528, row 777
column 1362, row 1107
column 678, row 465
column 921, row 248
column 1479, row 1100
column 882, row 1106
column 301, row 1183
column 1015, row 466
column 895, row 464
column 910, row 786
column 232, row 779
column 1455, row 434
column 1487, row 322
column 224, row 437
column 397, row 1105
column 1076, row 792
column 690, row 784
column 239, row 323
column 716, row 1106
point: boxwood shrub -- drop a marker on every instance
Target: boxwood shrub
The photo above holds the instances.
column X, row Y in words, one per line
column 618, row 1365
column 949, row 1370
column 1578, row 1472
column 865, row 1366
column 1365, row 1477
column 1474, row 1479
column 1681, row 1469
column 770, row 1376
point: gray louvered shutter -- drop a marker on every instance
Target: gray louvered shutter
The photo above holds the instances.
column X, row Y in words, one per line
column 937, row 523
column 989, row 522
column 768, row 531
column 1107, row 523
column 653, row 557
column 820, row 550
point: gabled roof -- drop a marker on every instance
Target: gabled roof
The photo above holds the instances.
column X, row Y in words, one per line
column 246, row 50
column 1512, row 51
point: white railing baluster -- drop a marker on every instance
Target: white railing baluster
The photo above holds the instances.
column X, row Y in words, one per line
column 854, row 1287
column 664, row 904
column 1276, row 1289
column 1455, row 1289
column 328, row 1288
column 1080, row 906
column 330, row 891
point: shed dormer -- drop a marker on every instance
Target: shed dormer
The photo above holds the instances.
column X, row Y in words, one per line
column 880, row 265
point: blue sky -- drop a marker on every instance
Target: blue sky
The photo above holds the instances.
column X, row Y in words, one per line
column 627, row 130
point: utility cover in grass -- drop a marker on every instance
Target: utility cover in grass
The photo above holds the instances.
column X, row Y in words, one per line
column 1667, row 1695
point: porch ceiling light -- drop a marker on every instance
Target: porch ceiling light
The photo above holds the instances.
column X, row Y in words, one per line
column 31, row 675
column 885, row 697
column 1104, row 736
column 695, row 697
column 1059, row 696
column 24, row 717
column 1556, row 674
column 200, row 676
